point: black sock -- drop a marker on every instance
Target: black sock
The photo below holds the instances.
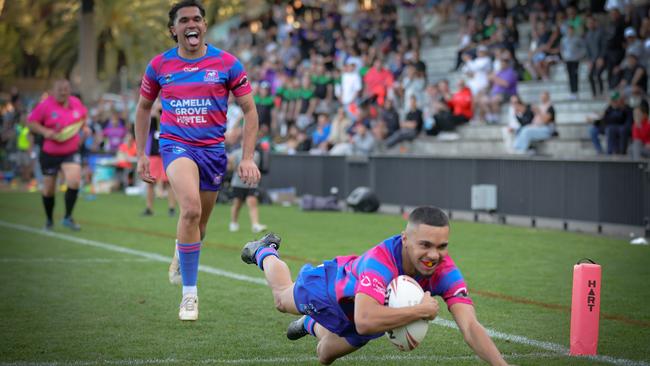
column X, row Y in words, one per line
column 48, row 203
column 70, row 199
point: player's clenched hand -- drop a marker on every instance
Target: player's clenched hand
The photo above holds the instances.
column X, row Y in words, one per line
column 428, row 306
column 49, row 134
column 143, row 169
column 248, row 172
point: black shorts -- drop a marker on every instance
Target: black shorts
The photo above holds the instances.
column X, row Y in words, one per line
column 242, row 193
column 51, row 164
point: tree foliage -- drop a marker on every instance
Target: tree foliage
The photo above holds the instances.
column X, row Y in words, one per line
column 40, row 38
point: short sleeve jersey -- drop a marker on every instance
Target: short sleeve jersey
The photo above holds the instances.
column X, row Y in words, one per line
column 371, row 273
column 194, row 94
column 55, row 116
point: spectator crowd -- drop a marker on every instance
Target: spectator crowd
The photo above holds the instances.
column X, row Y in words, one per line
column 347, row 77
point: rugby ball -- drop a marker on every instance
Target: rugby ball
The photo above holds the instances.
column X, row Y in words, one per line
column 405, row 291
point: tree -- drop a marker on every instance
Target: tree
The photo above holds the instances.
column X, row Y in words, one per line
column 48, row 38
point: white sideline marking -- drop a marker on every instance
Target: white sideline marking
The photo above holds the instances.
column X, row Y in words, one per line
column 554, row 347
column 119, row 249
column 70, row 260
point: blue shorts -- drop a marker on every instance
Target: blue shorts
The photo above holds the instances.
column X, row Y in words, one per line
column 212, row 162
column 311, row 294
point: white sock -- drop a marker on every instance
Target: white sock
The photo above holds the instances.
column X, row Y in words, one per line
column 189, row 290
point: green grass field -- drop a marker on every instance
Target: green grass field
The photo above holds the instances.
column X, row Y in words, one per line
column 79, row 298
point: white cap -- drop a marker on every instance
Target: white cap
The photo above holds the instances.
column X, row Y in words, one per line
column 630, row 32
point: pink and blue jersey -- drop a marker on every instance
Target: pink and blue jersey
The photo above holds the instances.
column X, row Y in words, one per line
column 371, row 273
column 326, row 293
column 194, row 94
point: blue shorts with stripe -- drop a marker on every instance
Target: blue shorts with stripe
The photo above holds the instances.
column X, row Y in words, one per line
column 212, row 161
column 312, row 294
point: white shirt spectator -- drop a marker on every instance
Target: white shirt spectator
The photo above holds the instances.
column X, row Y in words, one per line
column 234, row 115
column 477, row 71
column 350, row 86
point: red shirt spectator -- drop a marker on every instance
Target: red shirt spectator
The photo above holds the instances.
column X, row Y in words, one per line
column 126, row 153
column 461, row 103
column 378, row 80
column 641, row 131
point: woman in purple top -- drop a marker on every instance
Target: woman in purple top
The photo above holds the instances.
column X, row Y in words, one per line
column 504, row 85
column 114, row 132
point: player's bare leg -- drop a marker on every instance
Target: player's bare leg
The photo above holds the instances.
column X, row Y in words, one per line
column 253, row 212
column 278, row 276
column 148, row 211
column 264, row 253
column 208, row 199
column 234, row 214
column 171, row 199
column 174, row 272
column 183, row 176
column 330, row 346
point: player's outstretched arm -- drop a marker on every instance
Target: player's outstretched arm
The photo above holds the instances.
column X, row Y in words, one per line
column 247, row 170
column 142, row 123
column 371, row 317
column 475, row 335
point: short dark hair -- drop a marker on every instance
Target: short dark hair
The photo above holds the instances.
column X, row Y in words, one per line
column 179, row 5
column 429, row 215
column 643, row 106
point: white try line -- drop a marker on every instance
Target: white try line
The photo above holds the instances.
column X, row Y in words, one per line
column 554, row 347
column 272, row 360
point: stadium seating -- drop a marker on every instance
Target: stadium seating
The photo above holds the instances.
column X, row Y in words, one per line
column 573, row 140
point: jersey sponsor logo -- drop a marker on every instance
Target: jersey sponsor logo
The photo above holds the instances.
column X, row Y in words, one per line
column 190, row 68
column 191, row 111
column 365, row 281
column 211, row 76
column 377, row 286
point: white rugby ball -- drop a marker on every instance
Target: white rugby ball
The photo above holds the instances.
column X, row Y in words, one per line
column 405, row 291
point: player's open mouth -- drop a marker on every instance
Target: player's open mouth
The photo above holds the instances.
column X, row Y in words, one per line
column 192, row 38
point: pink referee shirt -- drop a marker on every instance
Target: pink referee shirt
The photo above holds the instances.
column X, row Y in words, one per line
column 53, row 115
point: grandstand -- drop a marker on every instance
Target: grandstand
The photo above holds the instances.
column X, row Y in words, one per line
column 573, row 140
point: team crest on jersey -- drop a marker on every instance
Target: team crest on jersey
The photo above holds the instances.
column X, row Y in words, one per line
column 54, row 115
column 178, row 150
column 75, row 114
column 211, row 76
column 168, row 78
